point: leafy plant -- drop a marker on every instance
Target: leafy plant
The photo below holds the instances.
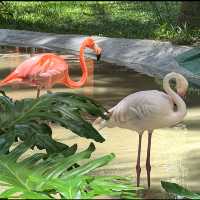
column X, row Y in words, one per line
column 4, row 10
column 60, row 171
column 41, row 176
column 176, row 34
column 178, row 190
column 29, row 118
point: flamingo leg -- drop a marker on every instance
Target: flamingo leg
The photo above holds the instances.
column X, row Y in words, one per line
column 138, row 168
column 38, row 92
column 148, row 164
column 49, row 83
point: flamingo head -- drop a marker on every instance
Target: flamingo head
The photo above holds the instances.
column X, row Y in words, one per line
column 181, row 85
column 90, row 43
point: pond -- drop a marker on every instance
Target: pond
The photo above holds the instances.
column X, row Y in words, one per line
column 175, row 151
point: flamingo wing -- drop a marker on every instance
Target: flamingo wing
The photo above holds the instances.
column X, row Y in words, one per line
column 133, row 108
column 144, row 105
column 51, row 71
column 36, row 68
column 138, row 108
column 42, row 64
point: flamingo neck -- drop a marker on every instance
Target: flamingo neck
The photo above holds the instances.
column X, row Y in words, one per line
column 81, row 82
column 181, row 107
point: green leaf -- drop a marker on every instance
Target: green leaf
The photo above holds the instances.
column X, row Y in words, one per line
column 179, row 190
column 69, row 189
column 42, row 176
column 61, row 164
column 29, row 118
column 9, row 192
column 24, row 124
column 88, row 167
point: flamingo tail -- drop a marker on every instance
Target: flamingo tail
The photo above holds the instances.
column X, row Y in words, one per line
column 100, row 122
column 10, row 79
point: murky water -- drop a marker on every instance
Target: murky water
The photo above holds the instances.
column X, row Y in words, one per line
column 175, row 154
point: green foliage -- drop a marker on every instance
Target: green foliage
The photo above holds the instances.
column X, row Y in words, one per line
column 60, row 172
column 178, row 190
column 177, row 34
column 113, row 19
column 29, row 118
column 40, row 176
column 4, row 10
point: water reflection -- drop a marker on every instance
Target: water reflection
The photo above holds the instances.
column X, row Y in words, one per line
column 175, row 151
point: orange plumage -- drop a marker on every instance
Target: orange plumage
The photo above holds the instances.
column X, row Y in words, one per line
column 45, row 70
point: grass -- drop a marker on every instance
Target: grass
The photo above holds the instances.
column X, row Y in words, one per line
column 142, row 20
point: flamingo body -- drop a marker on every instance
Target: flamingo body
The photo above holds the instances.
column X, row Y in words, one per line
column 44, row 70
column 47, row 69
column 149, row 110
column 145, row 110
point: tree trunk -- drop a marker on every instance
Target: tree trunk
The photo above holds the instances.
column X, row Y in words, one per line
column 190, row 13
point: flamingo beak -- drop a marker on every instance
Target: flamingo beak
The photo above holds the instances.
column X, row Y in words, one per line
column 98, row 56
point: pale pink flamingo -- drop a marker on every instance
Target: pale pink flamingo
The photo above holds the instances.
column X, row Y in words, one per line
column 149, row 110
column 45, row 70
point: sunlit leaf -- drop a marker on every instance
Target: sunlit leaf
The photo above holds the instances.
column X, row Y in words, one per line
column 42, row 176
column 178, row 190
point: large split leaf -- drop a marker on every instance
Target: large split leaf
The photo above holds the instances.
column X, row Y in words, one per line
column 28, row 118
column 40, row 176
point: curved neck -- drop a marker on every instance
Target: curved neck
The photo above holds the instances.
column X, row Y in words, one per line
column 181, row 107
column 73, row 84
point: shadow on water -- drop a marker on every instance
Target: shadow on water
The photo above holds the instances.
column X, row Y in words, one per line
column 175, row 151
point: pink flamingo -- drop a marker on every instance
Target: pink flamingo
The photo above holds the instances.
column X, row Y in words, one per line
column 45, row 70
column 149, row 110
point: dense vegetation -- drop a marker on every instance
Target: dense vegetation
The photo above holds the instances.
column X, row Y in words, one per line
column 143, row 20
column 53, row 168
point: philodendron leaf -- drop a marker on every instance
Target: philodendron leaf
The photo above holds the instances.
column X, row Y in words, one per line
column 178, row 190
column 29, row 118
column 41, row 176
column 17, row 192
column 88, row 167
column 112, row 186
column 60, row 163
column 41, row 136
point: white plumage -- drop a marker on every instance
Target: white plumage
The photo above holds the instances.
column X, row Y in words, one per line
column 149, row 110
column 141, row 111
